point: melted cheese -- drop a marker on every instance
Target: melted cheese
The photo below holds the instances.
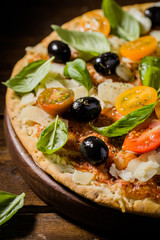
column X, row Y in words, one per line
column 142, row 168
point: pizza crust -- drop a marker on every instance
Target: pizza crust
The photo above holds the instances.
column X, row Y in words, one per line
column 109, row 196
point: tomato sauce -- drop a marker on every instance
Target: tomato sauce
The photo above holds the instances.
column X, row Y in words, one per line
column 80, row 130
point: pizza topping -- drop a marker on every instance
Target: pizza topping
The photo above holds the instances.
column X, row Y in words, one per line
column 157, row 109
column 55, row 100
column 106, row 63
column 156, row 34
column 142, row 168
column 94, row 150
column 125, row 73
column 36, row 115
column 126, row 123
column 85, row 109
column 122, row 23
column 53, row 137
column 28, row 99
column 60, row 51
column 93, row 43
column 78, row 71
column 135, row 98
column 143, row 138
column 83, row 178
column 145, row 23
column 30, row 76
column 92, row 21
column 139, row 48
column 108, row 91
column 149, row 71
column 115, row 43
column 153, row 13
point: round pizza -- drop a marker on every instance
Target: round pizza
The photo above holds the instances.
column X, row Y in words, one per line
column 85, row 104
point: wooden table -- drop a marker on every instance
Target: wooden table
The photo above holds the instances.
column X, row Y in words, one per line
column 25, row 25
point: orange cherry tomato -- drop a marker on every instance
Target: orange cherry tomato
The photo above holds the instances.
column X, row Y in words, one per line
column 135, row 98
column 139, row 48
column 93, row 21
column 157, row 109
column 143, row 138
column 55, row 100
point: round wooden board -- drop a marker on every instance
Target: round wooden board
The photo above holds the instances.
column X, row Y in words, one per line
column 63, row 199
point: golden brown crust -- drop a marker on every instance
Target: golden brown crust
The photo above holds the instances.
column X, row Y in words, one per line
column 112, row 196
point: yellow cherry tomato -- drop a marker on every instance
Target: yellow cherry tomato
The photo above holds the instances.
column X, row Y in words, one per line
column 93, row 21
column 135, row 98
column 139, row 48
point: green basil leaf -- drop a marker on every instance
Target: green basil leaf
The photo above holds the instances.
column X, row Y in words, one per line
column 53, row 137
column 122, row 23
column 77, row 70
column 94, row 43
column 9, row 205
column 30, row 76
column 149, row 70
column 127, row 123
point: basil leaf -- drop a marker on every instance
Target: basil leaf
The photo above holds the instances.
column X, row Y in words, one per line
column 94, row 43
column 127, row 123
column 149, row 70
column 53, row 137
column 30, row 76
column 9, row 205
column 122, row 23
column 77, row 70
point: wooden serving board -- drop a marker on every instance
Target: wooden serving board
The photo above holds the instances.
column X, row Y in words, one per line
column 63, row 199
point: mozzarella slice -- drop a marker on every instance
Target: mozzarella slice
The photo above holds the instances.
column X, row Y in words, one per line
column 145, row 23
column 156, row 34
column 35, row 114
column 108, row 91
column 27, row 99
column 83, row 178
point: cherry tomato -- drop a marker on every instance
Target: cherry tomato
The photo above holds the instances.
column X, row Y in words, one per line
column 157, row 109
column 135, row 98
column 55, row 100
column 139, row 48
column 143, row 138
column 92, row 21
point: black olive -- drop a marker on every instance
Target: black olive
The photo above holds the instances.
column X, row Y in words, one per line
column 85, row 109
column 94, row 150
column 60, row 51
column 106, row 63
column 154, row 14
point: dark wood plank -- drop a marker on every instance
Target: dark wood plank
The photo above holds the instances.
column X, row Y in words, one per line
column 45, row 227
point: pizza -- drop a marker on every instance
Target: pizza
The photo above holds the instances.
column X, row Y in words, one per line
column 84, row 102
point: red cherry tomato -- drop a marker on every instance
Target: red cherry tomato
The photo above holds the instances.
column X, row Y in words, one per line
column 143, row 138
column 55, row 100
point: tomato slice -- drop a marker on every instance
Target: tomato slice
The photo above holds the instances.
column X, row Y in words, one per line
column 92, row 21
column 135, row 98
column 139, row 48
column 55, row 100
column 144, row 138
